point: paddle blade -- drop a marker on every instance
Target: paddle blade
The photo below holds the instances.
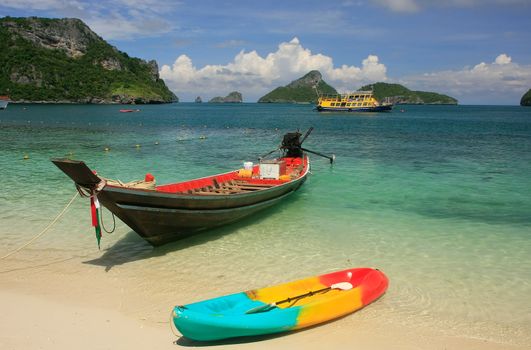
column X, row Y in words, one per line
column 342, row 286
column 261, row 308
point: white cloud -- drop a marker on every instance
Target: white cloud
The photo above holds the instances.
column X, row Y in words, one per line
column 230, row 43
column 416, row 5
column 501, row 81
column 399, row 5
column 255, row 75
column 36, row 5
column 113, row 19
column 503, row 59
column 116, row 26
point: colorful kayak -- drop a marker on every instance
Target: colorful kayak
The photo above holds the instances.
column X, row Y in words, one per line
column 281, row 308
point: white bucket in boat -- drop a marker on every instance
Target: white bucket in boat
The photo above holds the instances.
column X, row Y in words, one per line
column 248, row 165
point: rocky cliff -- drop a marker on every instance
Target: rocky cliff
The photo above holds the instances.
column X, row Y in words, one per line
column 63, row 60
column 526, row 99
column 233, row 97
column 302, row 90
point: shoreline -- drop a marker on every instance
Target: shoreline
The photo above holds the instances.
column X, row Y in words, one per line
column 441, row 210
column 82, row 306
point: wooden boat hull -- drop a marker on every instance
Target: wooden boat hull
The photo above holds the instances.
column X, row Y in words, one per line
column 170, row 213
column 227, row 317
column 164, row 218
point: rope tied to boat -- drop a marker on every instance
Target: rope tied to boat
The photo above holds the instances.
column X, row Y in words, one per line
column 95, row 208
column 172, row 325
column 43, row 231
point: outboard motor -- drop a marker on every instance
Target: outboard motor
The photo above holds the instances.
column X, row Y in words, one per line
column 292, row 144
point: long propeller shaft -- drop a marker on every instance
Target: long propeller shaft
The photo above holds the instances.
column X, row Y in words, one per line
column 331, row 158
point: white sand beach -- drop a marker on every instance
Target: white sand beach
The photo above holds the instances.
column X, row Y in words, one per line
column 69, row 304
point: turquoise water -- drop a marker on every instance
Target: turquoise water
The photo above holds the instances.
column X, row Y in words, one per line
column 438, row 197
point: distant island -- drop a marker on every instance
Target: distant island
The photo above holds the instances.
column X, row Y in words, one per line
column 47, row 60
column 64, row 61
column 233, row 97
column 399, row 94
column 526, row 99
column 302, row 90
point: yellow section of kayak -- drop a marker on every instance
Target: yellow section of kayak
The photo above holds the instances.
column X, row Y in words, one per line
column 330, row 305
column 282, row 291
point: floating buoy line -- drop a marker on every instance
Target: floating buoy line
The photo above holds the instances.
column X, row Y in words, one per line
column 140, row 146
column 137, row 146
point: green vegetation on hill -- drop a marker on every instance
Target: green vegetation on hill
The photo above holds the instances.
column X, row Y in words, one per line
column 62, row 60
column 526, row 99
column 399, row 94
column 302, row 90
column 233, row 97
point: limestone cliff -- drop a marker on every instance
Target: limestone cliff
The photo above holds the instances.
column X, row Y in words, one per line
column 302, row 90
column 63, row 60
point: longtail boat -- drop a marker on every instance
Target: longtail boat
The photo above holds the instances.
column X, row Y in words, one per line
column 4, row 101
column 169, row 212
column 281, row 308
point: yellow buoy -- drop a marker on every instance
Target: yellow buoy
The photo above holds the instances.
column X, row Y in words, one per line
column 284, row 177
column 245, row 172
column 156, row 142
column 137, row 145
column 106, row 149
column 26, row 157
column 203, row 137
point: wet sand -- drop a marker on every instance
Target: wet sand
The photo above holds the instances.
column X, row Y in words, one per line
column 69, row 304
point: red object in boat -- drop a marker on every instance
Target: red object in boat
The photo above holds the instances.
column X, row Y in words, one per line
column 149, row 178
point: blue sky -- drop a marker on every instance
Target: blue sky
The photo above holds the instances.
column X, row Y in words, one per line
column 478, row 51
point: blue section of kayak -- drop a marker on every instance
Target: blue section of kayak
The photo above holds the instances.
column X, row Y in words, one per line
column 225, row 317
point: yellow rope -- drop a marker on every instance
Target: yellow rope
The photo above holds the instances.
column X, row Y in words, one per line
column 172, row 325
column 43, row 231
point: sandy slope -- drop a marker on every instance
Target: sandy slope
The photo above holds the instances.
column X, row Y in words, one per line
column 74, row 306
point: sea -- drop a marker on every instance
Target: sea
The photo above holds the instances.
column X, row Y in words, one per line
column 437, row 197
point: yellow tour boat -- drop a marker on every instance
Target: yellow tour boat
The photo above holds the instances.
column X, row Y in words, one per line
column 359, row 101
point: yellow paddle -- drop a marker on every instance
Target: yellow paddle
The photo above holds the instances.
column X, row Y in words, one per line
column 268, row 307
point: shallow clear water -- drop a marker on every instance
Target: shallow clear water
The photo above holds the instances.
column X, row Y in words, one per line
column 438, row 197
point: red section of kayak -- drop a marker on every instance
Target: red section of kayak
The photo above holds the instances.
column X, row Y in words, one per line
column 373, row 283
